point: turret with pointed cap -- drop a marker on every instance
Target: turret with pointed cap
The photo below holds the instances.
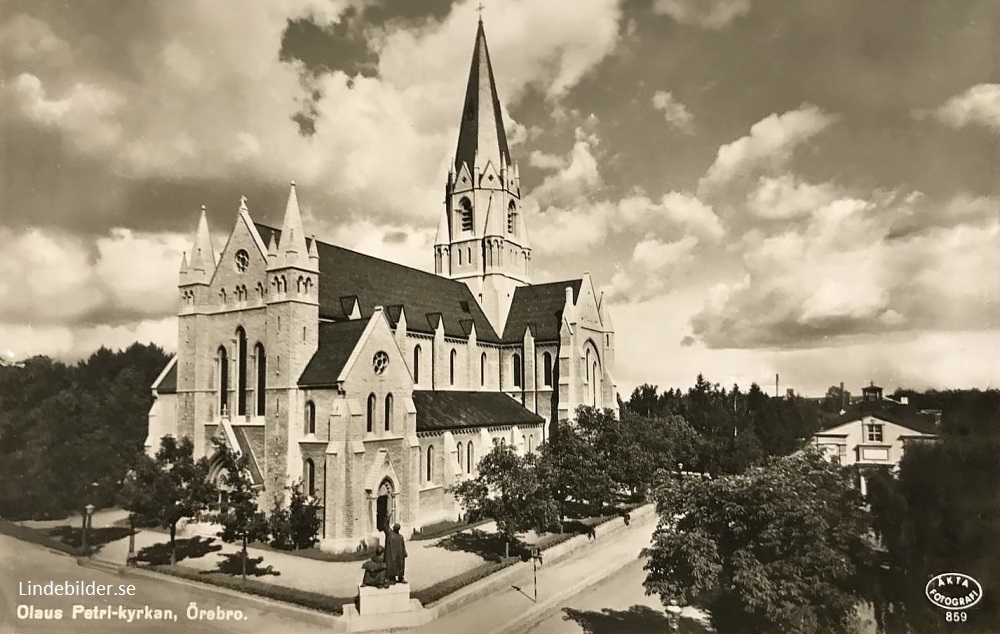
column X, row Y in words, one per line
column 292, row 250
column 481, row 136
column 201, row 266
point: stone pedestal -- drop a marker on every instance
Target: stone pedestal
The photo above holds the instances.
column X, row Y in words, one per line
column 391, row 600
column 384, row 609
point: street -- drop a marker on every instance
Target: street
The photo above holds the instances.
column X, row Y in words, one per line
column 616, row 605
column 22, row 562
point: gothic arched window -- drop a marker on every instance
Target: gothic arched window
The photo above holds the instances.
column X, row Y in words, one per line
column 461, row 458
column 310, row 477
column 223, row 361
column 454, row 356
column 371, row 412
column 430, row 464
column 547, row 369
column 388, row 412
column 416, row 364
column 465, row 211
column 310, row 418
column 241, row 372
column 470, row 453
column 517, row 370
column 512, row 218
column 261, row 388
column 482, row 369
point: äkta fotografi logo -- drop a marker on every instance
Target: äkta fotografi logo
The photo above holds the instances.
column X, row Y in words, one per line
column 953, row 591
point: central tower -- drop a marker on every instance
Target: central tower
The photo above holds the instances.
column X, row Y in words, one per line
column 481, row 239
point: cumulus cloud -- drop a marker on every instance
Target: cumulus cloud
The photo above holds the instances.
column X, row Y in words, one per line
column 50, row 278
column 979, row 105
column 655, row 264
column 674, row 112
column 841, row 274
column 768, row 146
column 786, row 197
column 708, row 14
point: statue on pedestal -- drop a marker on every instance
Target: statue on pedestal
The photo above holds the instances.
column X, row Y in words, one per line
column 375, row 570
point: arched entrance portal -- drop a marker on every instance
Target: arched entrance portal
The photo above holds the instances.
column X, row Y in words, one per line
column 384, row 507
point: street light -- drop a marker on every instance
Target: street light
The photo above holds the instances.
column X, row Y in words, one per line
column 674, row 616
column 88, row 513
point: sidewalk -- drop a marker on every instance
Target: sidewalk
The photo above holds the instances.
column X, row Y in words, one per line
column 515, row 610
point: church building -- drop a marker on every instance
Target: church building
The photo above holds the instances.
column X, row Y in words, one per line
column 375, row 384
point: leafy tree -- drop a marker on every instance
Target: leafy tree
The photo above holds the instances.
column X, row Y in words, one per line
column 780, row 548
column 279, row 528
column 511, row 490
column 303, row 519
column 169, row 487
column 942, row 514
column 241, row 520
column 573, row 470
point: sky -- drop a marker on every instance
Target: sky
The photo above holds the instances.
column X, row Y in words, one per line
column 759, row 187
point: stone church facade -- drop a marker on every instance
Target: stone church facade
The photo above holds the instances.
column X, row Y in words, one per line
column 379, row 385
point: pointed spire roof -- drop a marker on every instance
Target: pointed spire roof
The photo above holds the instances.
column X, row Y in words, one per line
column 481, row 137
column 202, row 253
column 443, row 232
column 293, row 236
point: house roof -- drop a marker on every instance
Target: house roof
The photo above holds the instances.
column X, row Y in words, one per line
column 346, row 275
column 337, row 341
column 452, row 409
column 539, row 306
column 902, row 415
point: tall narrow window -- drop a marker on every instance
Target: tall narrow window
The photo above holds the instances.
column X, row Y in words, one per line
column 416, row 364
column 517, row 370
column 470, row 454
column 310, row 418
column 451, row 370
column 547, row 369
column 430, row 464
column 482, row 369
column 530, row 438
column 388, row 412
column 596, row 388
column 223, row 358
column 461, row 458
column 465, row 210
column 261, row 388
column 241, row 372
column 371, row 413
column 512, row 217
column 310, row 477
column 586, row 366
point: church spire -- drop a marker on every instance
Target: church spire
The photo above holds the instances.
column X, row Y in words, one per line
column 481, row 137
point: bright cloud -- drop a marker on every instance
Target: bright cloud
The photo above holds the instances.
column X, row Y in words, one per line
column 674, row 112
column 979, row 105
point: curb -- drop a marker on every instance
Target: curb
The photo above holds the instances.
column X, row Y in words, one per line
column 315, row 617
column 542, row 611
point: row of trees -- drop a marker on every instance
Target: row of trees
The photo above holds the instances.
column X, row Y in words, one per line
column 68, row 433
column 735, row 429
column 163, row 490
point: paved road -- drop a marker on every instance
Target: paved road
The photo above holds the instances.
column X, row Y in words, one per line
column 617, row 605
column 21, row 562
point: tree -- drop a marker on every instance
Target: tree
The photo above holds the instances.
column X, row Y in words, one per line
column 942, row 514
column 511, row 490
column 241, row 520
column 780, row 548
column 573, row 470
column 169, row 487
column 303, row 519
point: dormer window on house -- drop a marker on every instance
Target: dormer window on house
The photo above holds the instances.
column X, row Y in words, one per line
column 873, row 432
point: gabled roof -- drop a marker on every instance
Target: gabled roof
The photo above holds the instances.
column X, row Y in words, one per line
column 346, row 274
column 539, row 306
column 244, row 446
column 902, row 415
column 481, row 135
column 337, row 341
column 452, row 409
column 167, row 383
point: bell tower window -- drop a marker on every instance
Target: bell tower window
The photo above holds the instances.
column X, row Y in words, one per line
column 512, row 218
column 465, row 211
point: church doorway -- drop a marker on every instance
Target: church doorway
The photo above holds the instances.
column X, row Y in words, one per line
column 384, row 510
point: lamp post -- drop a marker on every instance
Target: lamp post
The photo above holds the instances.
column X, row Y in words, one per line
column 674, row 616
column 88, row 513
